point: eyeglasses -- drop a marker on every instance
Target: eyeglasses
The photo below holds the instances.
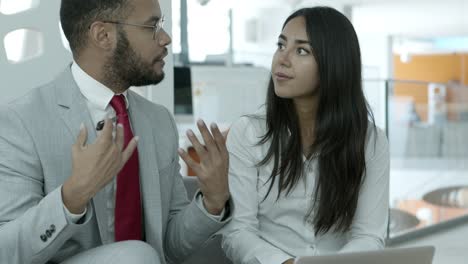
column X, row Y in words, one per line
column 158, row 25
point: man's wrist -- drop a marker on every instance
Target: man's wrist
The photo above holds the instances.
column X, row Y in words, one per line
column 74, row 218
column 214, row 206
column 74, row 204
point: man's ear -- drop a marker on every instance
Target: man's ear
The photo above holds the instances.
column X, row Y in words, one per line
column 102, row 35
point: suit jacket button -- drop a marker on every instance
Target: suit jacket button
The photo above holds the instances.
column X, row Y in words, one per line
column 43, row 238
column 52, row 228
column 48, row 233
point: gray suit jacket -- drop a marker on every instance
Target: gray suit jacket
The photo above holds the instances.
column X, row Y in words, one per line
column 36, row 135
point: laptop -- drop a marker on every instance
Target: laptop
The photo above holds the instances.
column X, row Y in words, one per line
column 416, row 255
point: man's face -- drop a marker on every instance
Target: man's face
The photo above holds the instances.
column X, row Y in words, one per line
column 138, row 59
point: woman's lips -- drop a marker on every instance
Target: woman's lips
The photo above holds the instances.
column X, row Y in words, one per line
column 282, row 76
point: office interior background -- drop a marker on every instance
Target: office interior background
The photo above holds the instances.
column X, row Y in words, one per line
column 415, row 76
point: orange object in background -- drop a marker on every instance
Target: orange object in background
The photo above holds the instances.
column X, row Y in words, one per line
column 193, row 154
column 439, row 213
column 439, row 68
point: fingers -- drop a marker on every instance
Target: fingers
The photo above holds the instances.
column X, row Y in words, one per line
column 219, row 139
column 119, row 137
column 127, row 153
column 106, row 133
column 190, row 162
column 199, row 148
column 207, row 138
column 82, row 136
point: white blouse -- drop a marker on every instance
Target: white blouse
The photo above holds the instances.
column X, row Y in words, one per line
column 272, row 231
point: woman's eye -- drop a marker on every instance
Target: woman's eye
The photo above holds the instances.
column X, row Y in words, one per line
column 302, row 51
column 280, row 46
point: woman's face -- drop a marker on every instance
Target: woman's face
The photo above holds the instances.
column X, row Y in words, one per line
column 294, row 69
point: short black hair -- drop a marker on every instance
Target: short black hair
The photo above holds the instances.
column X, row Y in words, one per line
column 77, row 15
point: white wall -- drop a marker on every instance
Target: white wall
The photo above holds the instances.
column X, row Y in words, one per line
column 256, row 30
column 163, row 93
column 224, row 94
column 310, row 3
column 17, row 79
column 414, row 18
column 376, row 54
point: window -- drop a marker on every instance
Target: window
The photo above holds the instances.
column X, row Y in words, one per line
column 208, row 29
column 23, row 44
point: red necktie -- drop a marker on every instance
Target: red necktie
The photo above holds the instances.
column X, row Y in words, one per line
column 127, row 199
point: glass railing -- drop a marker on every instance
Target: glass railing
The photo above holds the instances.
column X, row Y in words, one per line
column 427, row 127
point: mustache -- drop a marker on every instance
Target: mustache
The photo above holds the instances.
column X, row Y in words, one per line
column 160, row 57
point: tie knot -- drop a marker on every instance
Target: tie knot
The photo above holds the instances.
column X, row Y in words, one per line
column 118, row 103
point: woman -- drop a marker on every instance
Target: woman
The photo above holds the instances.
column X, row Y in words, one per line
column 311, row 175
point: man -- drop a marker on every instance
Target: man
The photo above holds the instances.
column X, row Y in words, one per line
column 118, row 198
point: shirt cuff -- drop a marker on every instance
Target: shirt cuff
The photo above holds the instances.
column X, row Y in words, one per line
column 199, row 201
column 73, row 218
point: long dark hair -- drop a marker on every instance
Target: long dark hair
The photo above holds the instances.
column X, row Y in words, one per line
column 342, row 122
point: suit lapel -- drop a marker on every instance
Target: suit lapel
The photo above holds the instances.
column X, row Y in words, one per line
column 149, row 177
column 72, row 106
column 74, row 111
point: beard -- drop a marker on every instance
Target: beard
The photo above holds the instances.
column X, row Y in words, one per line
column 126, row 68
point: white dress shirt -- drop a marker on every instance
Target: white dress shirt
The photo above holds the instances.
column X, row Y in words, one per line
column 98, row 98
column 272, row 231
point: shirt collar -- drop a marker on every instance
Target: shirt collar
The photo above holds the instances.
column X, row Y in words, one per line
column 95, row 92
